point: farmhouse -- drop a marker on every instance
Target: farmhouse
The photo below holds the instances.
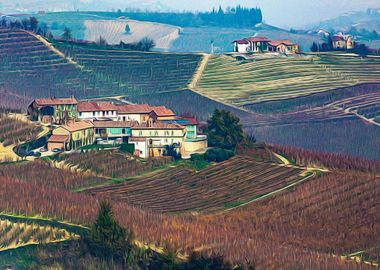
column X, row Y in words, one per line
column 150, row 129
column 97, row 110
column 53, row 110
column 264, row 45
column 71, row 136
column 282, row 46
column 341, row 41
column 152, row 138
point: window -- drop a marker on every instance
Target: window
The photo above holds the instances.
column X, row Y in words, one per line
column 172, row 132
column 80, row 114
column 124, row 118
column 123, row 131
column 93, row 113
column 104, row 113
column 156, row 133
column 140, row 133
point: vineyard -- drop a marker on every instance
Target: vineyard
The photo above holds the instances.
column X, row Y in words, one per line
column 112, row 163
column 228, row 184
column 44, row 72
column 18, row 234
column 14, row 130
column 257, row 232
column 348, row 137
column 247, row 82
column 44, row 174
column 137, row 72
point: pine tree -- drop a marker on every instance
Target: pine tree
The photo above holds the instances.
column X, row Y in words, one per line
column 107, row 238
column 225, row 130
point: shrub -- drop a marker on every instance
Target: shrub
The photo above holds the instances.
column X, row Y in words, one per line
column 218, row 154
column 127, row 148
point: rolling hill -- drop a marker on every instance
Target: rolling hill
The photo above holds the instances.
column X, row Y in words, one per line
column 247, row 82
column 92, row 25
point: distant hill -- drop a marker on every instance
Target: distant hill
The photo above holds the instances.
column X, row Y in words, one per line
column 363, row 25
column 90, row 25
column 368, row 20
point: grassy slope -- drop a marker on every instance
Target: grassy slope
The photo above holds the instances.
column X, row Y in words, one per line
column 248, row 82
column 199, row 38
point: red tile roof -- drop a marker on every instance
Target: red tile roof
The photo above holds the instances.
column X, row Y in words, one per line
column 257, row 39
column 189, row 120
column 75, row 126
column 337, row 38
column 93, row 106
column 58, row 138
column 241, row 41
column 163, row 111
column 145, row 108
column 55, row 101
column 286, row 42
column 134, row 108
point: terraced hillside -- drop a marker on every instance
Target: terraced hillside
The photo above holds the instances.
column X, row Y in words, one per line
column 248, row 82
column 226, row 185
column 140, row 72
column 31, row 68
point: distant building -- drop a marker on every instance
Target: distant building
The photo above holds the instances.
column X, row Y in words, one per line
column 282, row 46
column 341, row 41
column 264, row 45
column 97, row 110
column 53, row 110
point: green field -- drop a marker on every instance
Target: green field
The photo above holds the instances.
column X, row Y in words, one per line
column 247, row 82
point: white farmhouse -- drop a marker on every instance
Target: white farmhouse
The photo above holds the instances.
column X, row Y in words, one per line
column 97, row 111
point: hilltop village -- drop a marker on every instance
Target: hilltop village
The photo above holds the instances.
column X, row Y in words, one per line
column 149, row 130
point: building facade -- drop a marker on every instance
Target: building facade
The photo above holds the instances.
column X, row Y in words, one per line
column 97, row 110
column 77, row 134
column 53, row 110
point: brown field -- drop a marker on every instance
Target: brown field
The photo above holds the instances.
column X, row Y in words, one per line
column 41, row 173
column 114, row 164
column 221, row 186
column 298, row 229
column 14, row 130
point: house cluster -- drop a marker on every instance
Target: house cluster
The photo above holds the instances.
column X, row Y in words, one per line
column 264, row 45
column 149, row 128
column 342, row 41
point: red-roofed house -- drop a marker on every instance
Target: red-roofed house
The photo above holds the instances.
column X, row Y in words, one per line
column 282, row 46
column 263, row 44
column 53, row 110
column 343, row 42
column 97, row 110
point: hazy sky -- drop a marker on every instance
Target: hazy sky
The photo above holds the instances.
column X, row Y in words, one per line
column 283, row 13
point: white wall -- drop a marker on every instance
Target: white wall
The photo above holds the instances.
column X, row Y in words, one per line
column 242, row 48
column 143, row 148
column 129, row 117
column 98, row 114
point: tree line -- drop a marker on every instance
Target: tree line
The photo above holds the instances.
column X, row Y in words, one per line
column 237, row 16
